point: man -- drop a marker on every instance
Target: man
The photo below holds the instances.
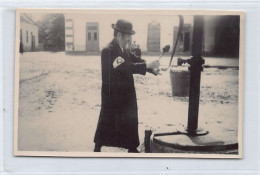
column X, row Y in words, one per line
column 133, row 46
column 21, row 47
column 118, row 120
column 137, row 51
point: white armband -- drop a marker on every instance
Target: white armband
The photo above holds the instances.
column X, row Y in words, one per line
column 118, row 61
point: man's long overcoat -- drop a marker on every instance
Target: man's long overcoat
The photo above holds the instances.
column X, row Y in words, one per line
column 118, row 120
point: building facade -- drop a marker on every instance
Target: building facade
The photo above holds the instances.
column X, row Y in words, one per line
column 221, row 36
column 28, row 33
column 92, row 32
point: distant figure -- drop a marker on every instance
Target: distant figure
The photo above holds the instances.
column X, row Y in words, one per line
column 118, row 120
column 21, row 47
column 133, row 46
column 138, row 51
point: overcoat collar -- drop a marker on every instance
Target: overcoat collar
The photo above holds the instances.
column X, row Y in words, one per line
column 118, row 49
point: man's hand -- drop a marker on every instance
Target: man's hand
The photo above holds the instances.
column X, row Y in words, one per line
column 153, row 67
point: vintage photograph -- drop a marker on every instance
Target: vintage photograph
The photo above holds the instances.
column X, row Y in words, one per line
column 129, row 83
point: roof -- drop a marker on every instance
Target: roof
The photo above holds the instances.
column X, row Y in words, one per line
column 25, row 18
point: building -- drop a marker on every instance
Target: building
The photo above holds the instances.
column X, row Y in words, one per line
column 90, row 33
column 221, row 36
column 28, row 33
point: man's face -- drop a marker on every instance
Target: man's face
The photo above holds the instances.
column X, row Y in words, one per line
column 126, row 41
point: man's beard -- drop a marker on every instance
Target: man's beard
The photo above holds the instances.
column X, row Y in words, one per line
column 127, row 45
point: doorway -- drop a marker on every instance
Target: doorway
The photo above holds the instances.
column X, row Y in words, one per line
column 92, row 43
column 153, row 41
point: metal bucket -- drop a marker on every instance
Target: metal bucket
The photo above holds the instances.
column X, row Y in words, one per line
column 180, row 82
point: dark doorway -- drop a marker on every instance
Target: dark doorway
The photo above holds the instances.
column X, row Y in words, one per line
column 92, row 43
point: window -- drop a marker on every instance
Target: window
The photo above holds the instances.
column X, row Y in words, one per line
column 95, row 36
column 27, row 36
column 92, row 27
column 89, row 36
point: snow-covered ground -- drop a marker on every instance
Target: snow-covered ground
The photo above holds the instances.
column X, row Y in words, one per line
column 60, row 96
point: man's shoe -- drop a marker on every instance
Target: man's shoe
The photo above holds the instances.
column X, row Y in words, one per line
column 97, row 148
column 133, row 150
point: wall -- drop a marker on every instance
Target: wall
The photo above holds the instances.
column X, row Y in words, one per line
column 209, row 34
column 140, row 25
column 30, row 28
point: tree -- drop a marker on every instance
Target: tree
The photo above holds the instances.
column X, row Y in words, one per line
column 52, row 32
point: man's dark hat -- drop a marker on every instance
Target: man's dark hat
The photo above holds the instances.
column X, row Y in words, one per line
column 124, row 27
